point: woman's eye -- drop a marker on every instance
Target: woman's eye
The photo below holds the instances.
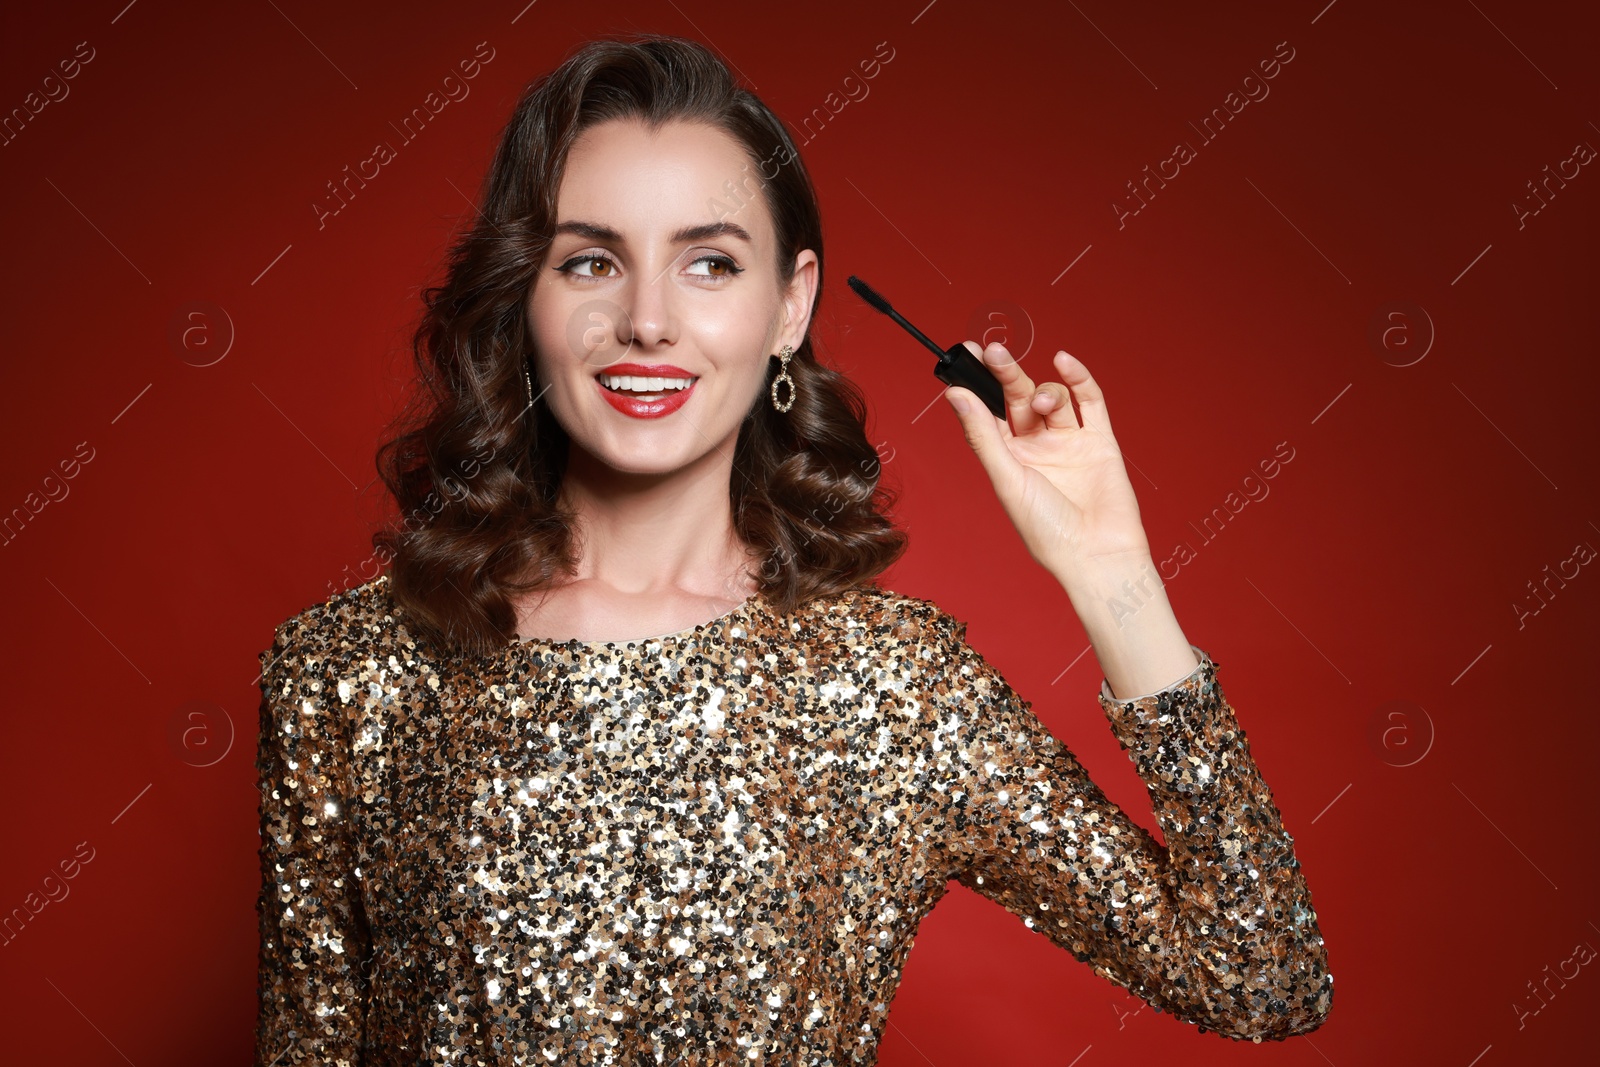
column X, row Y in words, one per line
column 568, row 266
column 727, row 268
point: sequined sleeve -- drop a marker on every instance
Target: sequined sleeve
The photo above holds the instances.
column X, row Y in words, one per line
column 314, row 939
column 1216, row 927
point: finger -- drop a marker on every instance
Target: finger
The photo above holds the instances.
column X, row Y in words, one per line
column 983, row 434
column 1086, row 391
column 1014, row 382
column 1053, row 403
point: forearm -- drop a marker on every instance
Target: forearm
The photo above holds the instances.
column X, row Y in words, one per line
column 1214, row 923
column 1130, row 623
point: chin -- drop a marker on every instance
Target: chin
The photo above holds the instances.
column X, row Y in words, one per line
column 643, row 458
column 641, row 467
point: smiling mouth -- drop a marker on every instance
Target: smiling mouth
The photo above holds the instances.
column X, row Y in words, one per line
column 644, row 388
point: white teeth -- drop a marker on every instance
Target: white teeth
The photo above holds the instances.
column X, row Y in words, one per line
column 645, row 385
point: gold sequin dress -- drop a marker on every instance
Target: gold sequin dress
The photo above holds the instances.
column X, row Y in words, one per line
column 715, row 846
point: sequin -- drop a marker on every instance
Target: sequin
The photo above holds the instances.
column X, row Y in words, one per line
column 717, row 845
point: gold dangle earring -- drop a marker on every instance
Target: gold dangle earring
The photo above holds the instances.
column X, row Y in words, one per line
column 783, row 376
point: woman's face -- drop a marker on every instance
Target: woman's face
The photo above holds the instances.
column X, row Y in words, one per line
column 659, row 269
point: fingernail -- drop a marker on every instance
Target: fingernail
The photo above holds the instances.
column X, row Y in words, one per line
column 959, row 402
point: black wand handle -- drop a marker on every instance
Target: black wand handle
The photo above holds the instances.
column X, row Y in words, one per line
column 967, row 370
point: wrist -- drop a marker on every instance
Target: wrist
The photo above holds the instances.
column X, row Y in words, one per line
column 1120, row 601
column 1123, row 606
column 1106, row 574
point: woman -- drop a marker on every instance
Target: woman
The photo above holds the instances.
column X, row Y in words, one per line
column 625, row 760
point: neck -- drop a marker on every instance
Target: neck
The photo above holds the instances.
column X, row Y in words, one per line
column 647, row 533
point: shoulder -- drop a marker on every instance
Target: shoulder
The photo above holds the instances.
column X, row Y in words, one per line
column 869, row 612
column 929, row 643
column 357, row 622
column 934, row 639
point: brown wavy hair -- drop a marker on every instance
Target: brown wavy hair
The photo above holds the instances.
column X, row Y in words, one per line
column 476, row 471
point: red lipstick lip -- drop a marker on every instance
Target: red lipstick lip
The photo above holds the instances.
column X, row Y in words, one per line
column 646, row 370
column 645, row 409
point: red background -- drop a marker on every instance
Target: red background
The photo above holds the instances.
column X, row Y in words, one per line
column 1230, row 315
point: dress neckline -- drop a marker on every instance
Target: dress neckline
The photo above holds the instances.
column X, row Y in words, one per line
column 742, row 613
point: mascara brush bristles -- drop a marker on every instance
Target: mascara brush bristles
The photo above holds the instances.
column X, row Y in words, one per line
column 870, row 295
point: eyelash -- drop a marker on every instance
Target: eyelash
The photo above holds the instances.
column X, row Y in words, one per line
column 733, row 268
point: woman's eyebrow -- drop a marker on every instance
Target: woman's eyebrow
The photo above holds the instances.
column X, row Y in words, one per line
column 593, row 231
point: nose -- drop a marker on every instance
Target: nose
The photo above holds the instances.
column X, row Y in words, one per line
column 650, row 317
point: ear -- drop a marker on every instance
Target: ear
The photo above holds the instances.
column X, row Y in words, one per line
column 799, row 297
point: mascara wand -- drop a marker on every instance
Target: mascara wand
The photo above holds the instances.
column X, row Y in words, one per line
column 957, row 365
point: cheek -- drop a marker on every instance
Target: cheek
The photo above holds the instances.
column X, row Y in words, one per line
column 577, row 330
column 734, row 331
column 545, row 311
column 551, row 336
